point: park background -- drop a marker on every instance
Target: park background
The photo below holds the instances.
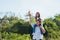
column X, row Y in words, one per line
column 14, row 18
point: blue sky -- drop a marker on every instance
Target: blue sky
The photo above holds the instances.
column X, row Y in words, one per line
column 47, row 8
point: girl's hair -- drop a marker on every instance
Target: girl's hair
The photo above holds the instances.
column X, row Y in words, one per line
column 37, row 17
column 38, row 14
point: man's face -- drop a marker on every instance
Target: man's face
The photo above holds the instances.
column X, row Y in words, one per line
column 38, row 23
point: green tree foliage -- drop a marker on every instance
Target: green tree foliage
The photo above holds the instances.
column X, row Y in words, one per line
column 52, row 27
column 13, row 28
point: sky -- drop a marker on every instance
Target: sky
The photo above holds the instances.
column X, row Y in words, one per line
column 47, row 8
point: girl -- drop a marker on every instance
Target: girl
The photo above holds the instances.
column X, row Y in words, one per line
column 37, row 16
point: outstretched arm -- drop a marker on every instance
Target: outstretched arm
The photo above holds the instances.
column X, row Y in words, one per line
column 29, row 14
column 30, row 19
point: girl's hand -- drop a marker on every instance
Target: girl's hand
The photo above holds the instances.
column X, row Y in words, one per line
column 29, row 14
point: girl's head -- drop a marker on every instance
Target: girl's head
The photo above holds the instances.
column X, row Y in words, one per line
column 37, row 14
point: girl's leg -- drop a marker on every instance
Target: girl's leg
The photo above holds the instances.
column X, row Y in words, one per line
column 40, row 39
column 34, row 39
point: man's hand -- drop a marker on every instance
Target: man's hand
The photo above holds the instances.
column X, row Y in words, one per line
column 43, row 29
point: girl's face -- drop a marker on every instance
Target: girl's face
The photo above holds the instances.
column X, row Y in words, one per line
column 37, row 14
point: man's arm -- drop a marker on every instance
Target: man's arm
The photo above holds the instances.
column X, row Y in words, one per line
column 42, row 27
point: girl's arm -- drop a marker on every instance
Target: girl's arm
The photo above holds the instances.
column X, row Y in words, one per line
column 30, row 17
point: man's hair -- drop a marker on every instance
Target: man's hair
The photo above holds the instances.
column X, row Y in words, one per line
column 38, row 20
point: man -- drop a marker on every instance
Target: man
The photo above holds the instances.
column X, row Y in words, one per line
column 38, row 28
